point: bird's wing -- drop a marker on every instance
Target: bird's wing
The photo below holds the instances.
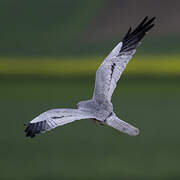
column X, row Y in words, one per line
column 111, row 69
column 53, row 118
column 121, row 125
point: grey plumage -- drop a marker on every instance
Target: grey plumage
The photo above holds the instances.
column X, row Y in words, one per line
column 99, row 107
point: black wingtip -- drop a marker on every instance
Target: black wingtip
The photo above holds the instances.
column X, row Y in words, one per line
column 32, row 129
column 153, row 18
column 29, row 130
column 127, row 34
column 132, row 38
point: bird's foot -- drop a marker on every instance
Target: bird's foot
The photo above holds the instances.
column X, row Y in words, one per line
column 98, row 122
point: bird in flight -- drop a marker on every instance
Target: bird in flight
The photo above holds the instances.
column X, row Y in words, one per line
column 99, row 108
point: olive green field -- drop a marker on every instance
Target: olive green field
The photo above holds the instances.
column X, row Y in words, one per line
column 84, row 149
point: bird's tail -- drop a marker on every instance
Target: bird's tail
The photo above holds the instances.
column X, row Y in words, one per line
column 121, row 125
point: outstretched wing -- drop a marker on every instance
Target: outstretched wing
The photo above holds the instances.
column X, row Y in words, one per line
column 54, row 118
column 121, row 125
column 111, row 69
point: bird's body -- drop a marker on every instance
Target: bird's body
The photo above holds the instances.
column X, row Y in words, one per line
column 99, row 108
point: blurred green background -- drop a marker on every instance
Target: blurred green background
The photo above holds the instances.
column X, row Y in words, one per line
column 49, row 52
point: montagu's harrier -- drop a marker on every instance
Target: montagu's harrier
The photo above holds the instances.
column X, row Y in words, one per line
column 98, row 108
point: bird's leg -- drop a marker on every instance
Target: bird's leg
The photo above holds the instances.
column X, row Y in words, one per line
column 98, row 122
